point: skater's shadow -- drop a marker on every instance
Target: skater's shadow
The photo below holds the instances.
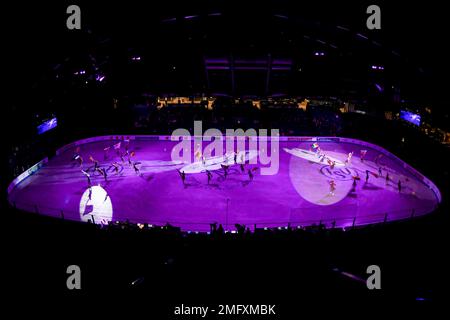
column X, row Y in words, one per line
column 191, row 183
column 149, row 178
column 88, row 209
column 370, row 186
column 235, row 171
column 352, row 194
column 80, row 192
column 105, row 184
column 213, row 186
column 246, row 182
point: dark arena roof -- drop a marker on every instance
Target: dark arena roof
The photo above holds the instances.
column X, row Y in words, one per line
column 361, row 121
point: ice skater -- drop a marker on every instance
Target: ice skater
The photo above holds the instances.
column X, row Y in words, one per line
column 117, row 148
column 106, row 153
column 242, row 158
column 203, row 160
column 315, row 148
column 209, row 175
column 362, row 154
column 94, row 161
column 387, row 177
column 367, row 176
column 130, row 155
column 136, row 169
column 354, row 181
column 79, row 159
column 242, row 167
column 99, row 170
column 198, row 152
column 322, row 157
column 88, row 176
column 399, row 186
column 182, row 176
column 250, row 175
column 349, row 158
column 380, row 172
column 116, row 167
column 105, row 175
column 76, row 153
column 235, row 157
column 333, row 186
column 331, row 163
column 225, row 170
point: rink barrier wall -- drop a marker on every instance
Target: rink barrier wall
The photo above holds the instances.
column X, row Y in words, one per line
column 21, row 177
column 117, row 138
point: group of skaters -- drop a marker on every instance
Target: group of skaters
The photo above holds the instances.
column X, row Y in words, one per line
column 114, row 165
column 388, row 179
column 322, row 156
column 332, row 184
column 225, row 166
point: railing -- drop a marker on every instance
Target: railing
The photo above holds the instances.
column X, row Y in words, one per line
column 204, row 226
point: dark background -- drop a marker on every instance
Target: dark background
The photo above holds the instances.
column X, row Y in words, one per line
column 199, row 271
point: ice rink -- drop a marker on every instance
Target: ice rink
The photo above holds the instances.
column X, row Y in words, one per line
column 298, row 194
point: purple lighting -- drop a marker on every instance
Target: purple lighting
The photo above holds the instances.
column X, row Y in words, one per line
column 379, row 88
column 299, row 193
column 359, row 35
column 169, row 20
column 47, row 125
column 410, row 117
column 342, row 28
column 136, row 58
column 289, row 62
column 280, row 16
column 216, row 61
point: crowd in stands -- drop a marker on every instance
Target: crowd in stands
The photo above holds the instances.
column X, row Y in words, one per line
column 125, row 254
column 289, row 119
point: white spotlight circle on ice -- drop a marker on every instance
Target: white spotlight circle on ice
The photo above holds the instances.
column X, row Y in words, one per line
column 97, row 204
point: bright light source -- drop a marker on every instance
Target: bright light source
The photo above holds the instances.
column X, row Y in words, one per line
column 95, row 202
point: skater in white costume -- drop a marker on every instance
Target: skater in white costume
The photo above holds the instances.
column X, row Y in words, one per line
column 332, row 187
column 198, row 153
column 349, row 158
